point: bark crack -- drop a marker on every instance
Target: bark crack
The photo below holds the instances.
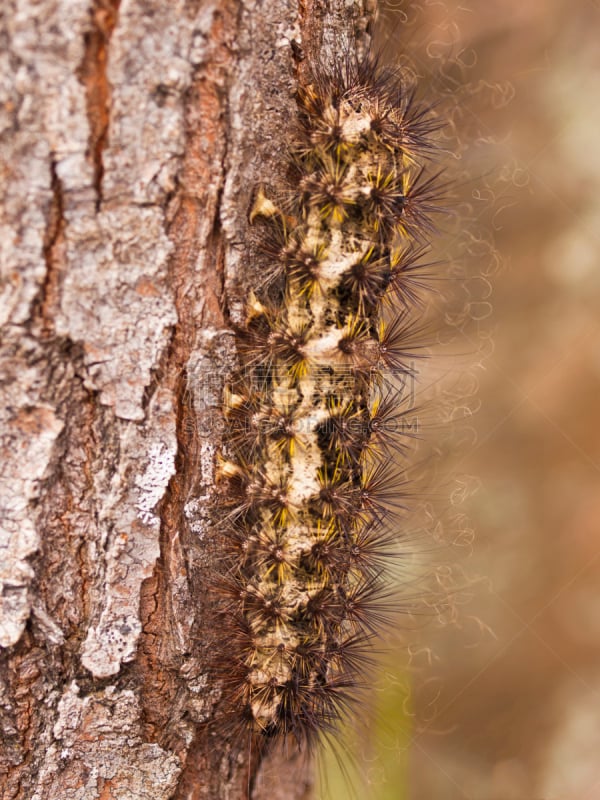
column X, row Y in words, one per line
column 47, row 298
column 93, row 74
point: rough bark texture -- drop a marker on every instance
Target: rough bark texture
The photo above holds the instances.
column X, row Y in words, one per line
column 132, row 136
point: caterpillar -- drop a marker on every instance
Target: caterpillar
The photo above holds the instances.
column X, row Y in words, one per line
column 311, row 471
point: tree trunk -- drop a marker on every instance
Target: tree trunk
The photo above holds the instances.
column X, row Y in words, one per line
column 133, row 134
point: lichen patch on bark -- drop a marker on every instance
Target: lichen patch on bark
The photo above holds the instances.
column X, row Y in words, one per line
column 97, row 738
column 33, row 429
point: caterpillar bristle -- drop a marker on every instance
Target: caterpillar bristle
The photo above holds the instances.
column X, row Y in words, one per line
column 312, row 483
column 367, row 280
column 373, row 549
column 422, row 196
column 400, row 342
column 392, row 424
column 383, row 489
column 303, row 267
column 411, row 277
column 363, row 605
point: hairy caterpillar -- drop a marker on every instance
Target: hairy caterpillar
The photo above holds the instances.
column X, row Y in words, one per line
column 308, row 477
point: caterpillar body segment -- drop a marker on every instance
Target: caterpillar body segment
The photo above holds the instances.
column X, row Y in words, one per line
column 310, row 476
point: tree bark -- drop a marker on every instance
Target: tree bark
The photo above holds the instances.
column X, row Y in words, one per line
column 132, row 136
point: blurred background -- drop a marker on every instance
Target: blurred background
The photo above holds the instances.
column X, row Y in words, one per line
column 495, row 694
